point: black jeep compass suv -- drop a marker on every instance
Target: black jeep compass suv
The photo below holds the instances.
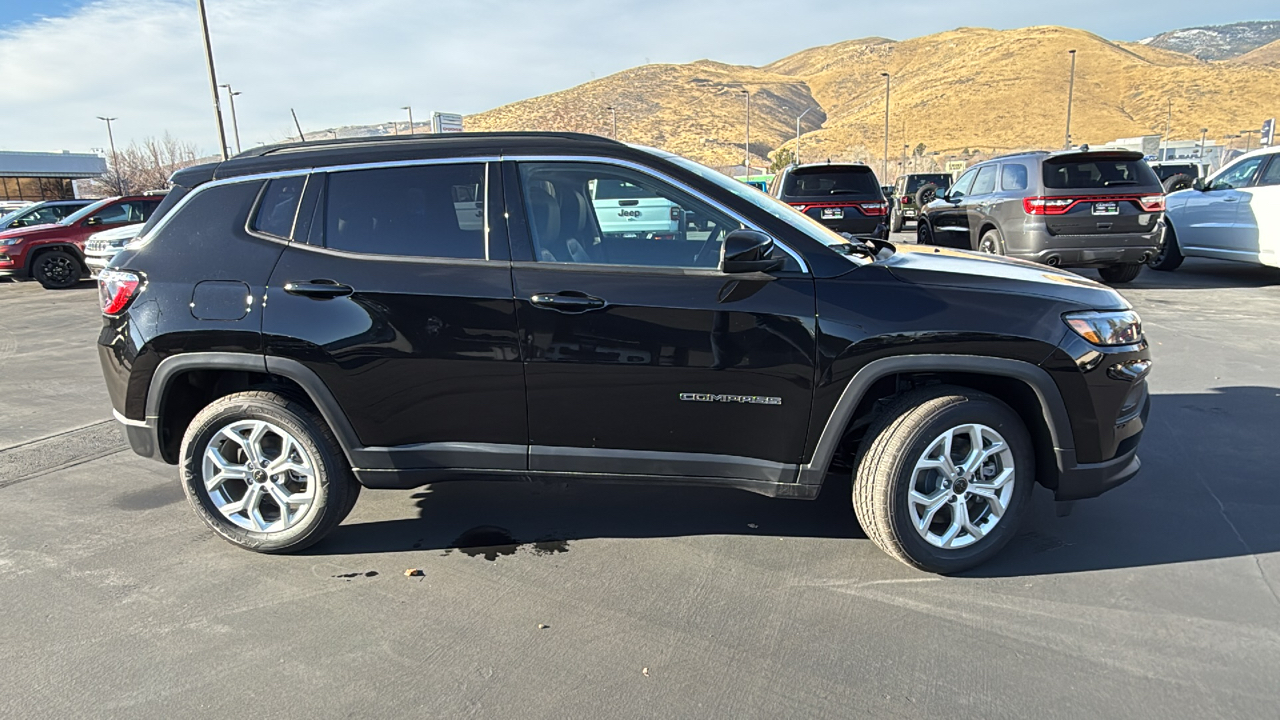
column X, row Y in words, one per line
column 305, row 320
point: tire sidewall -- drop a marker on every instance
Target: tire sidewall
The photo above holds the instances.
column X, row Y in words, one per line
column 42, row 262
column 1003, row 420
column 203, row 429
column 997, row 243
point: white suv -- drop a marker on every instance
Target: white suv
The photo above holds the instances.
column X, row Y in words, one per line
column 1233, row 215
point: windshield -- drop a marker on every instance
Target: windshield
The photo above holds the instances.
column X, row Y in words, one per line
column 825, row 181
column 915, row 182
column 768, row 203
column 84, row 212
column 6, row 219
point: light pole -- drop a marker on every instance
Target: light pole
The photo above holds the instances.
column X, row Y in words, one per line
column 1203, row 133
column 213, row 81
column 410, row 109
column 885, row 171
column 798, row 119
column 1168, row 120
column 235, row 124
column 115, row 162
column 1248, row 138
column 1071, row 93
column 613, row 112
column 746, row 151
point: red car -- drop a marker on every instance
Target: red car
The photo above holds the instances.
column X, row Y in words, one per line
column 54, row 254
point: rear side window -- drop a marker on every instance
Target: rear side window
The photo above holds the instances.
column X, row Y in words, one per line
column 426, row 211
column 1271, row 176
column 1075, row 173
column 826, row 182
column 279, row 207
column 1013, row 177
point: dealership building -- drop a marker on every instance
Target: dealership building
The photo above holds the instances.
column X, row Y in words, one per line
column 46, row 176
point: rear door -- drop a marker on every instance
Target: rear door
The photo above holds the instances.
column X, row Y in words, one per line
column 397, row 295
column 641, row 357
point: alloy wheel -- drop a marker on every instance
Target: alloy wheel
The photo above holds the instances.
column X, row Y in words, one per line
column 258, row 476
column 961, row 486
column 58, row 269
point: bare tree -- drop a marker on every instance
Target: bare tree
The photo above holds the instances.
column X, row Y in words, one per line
column 145, row 166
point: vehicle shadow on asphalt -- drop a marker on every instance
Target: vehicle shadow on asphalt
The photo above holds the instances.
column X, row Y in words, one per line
column 1202, row 274
column 1205, row 492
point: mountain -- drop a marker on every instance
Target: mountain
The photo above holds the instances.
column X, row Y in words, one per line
column 970, row 89
column 1218, row 42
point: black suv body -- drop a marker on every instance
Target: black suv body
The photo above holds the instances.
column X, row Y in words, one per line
column 304, row 320
column 1099, row 209
column 845, row 197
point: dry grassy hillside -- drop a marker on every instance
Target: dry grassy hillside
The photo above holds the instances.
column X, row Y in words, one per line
column 970, row 88
column 1268, row 54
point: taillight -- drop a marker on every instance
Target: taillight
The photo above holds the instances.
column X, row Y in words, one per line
column 1047, row 205
column 1151, row 203
column 873, row 208
column 115, row 289
column 799, row 206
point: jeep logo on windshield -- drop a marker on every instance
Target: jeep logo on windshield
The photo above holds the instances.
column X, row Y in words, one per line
column 629, row 213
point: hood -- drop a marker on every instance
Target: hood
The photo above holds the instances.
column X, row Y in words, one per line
column 927, row 265
column 31, row 230
column 121, row 233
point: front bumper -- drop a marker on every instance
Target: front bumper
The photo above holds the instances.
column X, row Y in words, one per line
column 1078, row 482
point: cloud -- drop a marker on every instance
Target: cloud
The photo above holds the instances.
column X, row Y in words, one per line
column 339, row 62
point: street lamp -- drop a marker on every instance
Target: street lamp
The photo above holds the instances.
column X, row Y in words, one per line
column 1203, row 133
column 115, row 162
column 886, row 127
column 235, row 124
column 410, row 109
column 213, row 81
column 613, row 111
column 1071, row 92
column 746, row 151
column 1248, row 138
column 798, row 119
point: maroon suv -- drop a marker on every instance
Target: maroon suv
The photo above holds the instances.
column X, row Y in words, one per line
column 53, row 254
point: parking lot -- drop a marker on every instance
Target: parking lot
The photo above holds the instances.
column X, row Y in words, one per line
column 1160, row 599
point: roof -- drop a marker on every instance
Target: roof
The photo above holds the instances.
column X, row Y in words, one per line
column 51, row 165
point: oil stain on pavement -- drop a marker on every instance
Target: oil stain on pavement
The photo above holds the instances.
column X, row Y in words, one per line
column 490, row 542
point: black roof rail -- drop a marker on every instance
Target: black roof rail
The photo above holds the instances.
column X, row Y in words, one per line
column 425, row 139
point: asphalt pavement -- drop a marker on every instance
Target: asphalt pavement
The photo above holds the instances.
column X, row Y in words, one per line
column 1160, row 599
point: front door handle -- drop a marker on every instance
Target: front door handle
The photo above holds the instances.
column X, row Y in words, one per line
column 322, row 289
column 568, row 301
column 1230, row 198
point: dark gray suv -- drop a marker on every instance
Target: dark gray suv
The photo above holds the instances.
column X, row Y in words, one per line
column 1076, row 208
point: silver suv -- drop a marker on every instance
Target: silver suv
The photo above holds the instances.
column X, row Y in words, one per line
column 1076, row 208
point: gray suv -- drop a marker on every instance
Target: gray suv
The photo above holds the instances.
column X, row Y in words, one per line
column 1075, row 208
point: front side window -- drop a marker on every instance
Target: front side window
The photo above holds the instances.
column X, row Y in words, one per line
column 985, row 182
column 962, row 185
column 134, row 211
column 432, row 211
column 601, row 214
column 279, row 206
column 1013, row 177
column 1237, row 175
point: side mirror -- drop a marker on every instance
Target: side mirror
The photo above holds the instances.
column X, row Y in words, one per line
column 93, row 221
column 748, row 251
column 1199, row 184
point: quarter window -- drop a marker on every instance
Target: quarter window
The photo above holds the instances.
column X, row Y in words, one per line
column 419, row 211
column 599, row 214
column 1013, row 177
column 279, row 206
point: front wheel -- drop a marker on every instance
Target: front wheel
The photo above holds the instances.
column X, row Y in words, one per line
column 265, row 472
column 944, row 479
column 56, row 270
column 1123, row 273
column 1169, row 256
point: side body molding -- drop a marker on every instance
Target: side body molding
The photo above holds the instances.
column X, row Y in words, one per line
column 1055, row 411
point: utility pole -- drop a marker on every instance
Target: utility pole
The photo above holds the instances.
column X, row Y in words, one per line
column 613, row 111
column 235, row 124
column 410, row 109
column 115, row 162
column 885, row 171
column 213, row 81
column 1203, row 133
column 1071, row 93
column 798, row 119
column 746, row 154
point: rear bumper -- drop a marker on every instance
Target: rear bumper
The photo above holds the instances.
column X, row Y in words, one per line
column 1039, row 245
column 142, row 436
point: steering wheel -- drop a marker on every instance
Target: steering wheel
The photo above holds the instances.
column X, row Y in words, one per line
column 712, row 240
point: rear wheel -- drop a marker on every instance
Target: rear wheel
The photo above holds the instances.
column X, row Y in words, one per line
column 1122, row 273
column 895, row 220
column 56, row 270
column 1169, row 256
column 924, row 236
column 1181, row 181
column 991, row 243
column 945, row 478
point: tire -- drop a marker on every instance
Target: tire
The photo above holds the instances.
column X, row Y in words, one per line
column 895, row 220
column 924, row 236
column 57, row 270
column 910, row 432
column 991, row 243
column 1169, row 256
column 323, row 499
column 1123, row 273
column 1181, row 181
column 926, row 194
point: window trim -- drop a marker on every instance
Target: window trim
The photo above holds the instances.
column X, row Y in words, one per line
column 257, row 205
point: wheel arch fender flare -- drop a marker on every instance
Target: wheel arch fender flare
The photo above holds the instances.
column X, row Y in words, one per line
column 311, row 384
column 1050, row 398
column 67, row 247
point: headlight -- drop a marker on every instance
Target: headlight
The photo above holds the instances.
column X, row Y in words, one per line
column 5, row 242
column 1109, row 327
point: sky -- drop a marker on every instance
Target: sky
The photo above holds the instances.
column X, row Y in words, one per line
column 354, row 62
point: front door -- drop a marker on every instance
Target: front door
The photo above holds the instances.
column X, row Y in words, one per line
column 641, row 357
column 948, row 219
column 398, row 297
column 1256, row 232
column 1208, row 218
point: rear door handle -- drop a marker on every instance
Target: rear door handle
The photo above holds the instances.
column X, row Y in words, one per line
column 568, row 301
column 322, row 289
